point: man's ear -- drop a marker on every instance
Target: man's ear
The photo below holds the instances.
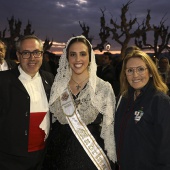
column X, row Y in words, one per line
column 18, row 55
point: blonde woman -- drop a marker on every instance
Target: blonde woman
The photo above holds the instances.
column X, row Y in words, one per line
column 142, row 118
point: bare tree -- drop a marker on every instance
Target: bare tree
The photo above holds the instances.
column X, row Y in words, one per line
column 103, row 34
column 47, row 44
column 125, row 31
column 128, row 29
column 85, row 28
column 161, row 39
column 28, row 29
column 2, row 34
column 15, row 32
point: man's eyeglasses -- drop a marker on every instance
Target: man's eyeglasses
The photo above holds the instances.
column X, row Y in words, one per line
column 27, row 54
column 139, row 70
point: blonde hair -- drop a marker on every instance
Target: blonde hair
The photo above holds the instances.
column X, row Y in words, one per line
column 156, row 78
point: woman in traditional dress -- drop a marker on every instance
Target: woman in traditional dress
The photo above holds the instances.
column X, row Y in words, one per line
column 83, row 105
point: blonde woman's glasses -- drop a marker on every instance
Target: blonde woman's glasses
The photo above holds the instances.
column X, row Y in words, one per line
column 139, row 70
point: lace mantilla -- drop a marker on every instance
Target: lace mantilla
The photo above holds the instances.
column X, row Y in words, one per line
column 96, row 97
column 86, row 110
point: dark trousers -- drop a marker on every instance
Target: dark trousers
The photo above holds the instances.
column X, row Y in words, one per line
column 12, row 162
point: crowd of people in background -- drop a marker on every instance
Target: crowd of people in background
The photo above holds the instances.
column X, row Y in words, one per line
column 109, row 68
column 71, row 112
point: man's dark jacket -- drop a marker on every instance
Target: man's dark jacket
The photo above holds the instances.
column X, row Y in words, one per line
column 106, row 74
column 15, row 111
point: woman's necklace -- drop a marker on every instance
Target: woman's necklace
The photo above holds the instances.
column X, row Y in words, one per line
column 78, row 87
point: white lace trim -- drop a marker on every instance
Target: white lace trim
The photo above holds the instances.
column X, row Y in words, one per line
column 96, row 97
column 86, row 110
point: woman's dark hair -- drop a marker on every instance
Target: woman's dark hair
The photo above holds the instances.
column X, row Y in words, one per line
column 83, row 40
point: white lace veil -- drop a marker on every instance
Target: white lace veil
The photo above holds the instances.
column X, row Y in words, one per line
column 64, row 73
column 101, row 95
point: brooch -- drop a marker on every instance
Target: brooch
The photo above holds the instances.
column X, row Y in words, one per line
column 138, row 114
column 64, row 96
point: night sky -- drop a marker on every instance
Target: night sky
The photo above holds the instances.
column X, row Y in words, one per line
column 59, row 20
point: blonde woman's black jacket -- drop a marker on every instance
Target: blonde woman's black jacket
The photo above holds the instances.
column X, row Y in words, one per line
column 15, row 111
column 143, row 144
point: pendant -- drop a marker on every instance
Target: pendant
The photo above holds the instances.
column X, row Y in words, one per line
column 78, row 87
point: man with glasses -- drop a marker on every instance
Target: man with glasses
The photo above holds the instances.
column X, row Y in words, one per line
column 24, row 91
column 5, row 64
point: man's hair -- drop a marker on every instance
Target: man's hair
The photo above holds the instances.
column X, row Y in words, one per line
column 163, row 58
column 1, row 42
column 130, row 49
column 22, row 38
column 108, row 54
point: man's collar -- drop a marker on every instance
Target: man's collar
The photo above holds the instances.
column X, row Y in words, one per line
column 24, row 75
